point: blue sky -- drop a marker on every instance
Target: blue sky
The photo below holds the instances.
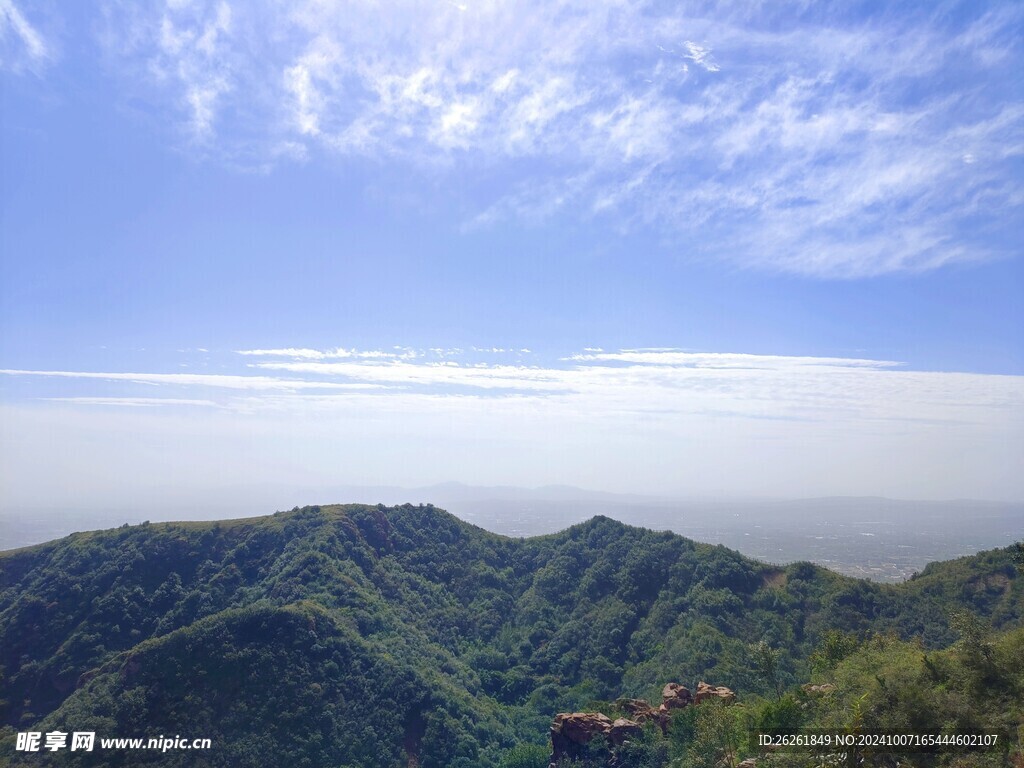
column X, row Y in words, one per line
column 447, row 227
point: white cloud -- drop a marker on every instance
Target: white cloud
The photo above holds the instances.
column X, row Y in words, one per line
column 726, row 360
column 818, row 147
column 21, row 44
column 190, row 46
column 654, row 420
column 297, row 353
column 132, row 402
column 700, row 56
column 625, row 383
column 189, row 380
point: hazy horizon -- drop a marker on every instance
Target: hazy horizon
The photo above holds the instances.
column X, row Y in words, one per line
column 877, row 538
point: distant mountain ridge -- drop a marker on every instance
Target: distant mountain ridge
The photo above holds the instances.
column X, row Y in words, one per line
column 350, row 635
column 835, row 531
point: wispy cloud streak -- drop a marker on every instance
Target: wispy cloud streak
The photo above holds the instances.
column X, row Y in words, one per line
column 818, row 146
column 622, row 384
column 628, row 419
column 21, row 44
column 216, row 381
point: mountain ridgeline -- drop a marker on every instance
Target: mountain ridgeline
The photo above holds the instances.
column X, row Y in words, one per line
column 371, row 636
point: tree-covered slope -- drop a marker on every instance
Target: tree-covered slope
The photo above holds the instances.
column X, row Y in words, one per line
column 294, row 681
column 377, row 634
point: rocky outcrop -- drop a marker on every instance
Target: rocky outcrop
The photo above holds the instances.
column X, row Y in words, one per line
column 637, row 709
column 641, row 712
column 675, row 696
column 572, row 732
column 705, row 692
column 581, row 727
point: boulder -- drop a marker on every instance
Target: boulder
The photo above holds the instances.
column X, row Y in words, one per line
column 641, row 712
column 705, row 692
column 581, row 727
column 571, row 731
column 675, row 696
column 637, row 709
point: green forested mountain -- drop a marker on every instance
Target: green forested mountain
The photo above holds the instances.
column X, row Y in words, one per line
column 371, row 636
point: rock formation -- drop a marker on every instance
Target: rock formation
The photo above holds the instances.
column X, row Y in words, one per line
column 637, row 709
column 705, row 692
column 675, row 696
column 571, row 732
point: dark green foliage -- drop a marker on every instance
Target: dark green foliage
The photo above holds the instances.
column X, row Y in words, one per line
column 889, row 684
column 651, row 750
column 526, row 756
column 358, row 636
column 708, row 736
column 765, row 661
column 784, row 715
column 833, row 648
column 312, row 684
